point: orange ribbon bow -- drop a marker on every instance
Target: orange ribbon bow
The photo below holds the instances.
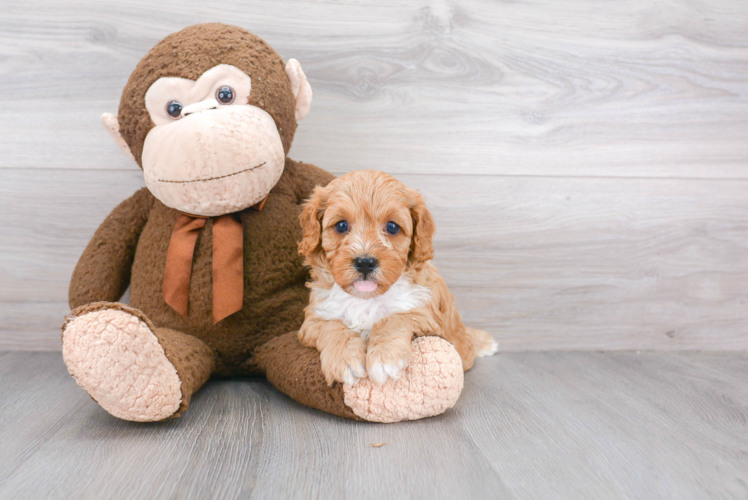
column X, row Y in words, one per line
column 228, row 263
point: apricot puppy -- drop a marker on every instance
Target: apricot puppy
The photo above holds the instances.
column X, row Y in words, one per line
column 368, row 240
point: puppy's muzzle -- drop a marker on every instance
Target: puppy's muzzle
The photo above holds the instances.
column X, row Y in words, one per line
column 365, row 265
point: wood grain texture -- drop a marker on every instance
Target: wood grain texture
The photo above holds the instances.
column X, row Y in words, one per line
column 528, row 425
column 586, row 161
column 540, row 262
column 640, row 88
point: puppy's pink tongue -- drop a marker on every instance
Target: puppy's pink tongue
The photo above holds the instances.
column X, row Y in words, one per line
column 365, row 286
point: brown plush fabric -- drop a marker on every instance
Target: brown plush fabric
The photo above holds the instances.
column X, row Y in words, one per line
column 193, row 360
column 130, row 247
column 190, row 53
column 101, row 306
column 295, row 370
column 274, row 276
column 103, row 271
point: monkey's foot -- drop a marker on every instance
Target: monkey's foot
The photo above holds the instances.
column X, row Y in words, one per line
column 113, row 354
column 429, row 386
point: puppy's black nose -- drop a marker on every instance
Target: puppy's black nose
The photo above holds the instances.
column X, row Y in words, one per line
column 365, row 265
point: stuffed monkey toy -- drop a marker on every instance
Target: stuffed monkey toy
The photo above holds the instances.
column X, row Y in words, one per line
column 209, row 246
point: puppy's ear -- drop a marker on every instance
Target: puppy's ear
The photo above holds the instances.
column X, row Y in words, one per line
column 311, row 217
column 422, row 243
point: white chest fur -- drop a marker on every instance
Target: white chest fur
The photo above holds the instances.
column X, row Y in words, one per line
column 360, row 315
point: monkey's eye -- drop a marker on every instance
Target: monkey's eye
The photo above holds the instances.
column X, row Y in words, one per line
column 174, row 108
column 225, row 95
column 393, row 228
column 341, row 226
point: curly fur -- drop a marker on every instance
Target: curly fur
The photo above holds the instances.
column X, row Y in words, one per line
column 357, row 330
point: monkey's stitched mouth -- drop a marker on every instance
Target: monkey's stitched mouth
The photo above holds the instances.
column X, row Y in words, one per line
column 213, row 178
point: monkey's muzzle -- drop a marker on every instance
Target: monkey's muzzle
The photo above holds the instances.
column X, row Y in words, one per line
column 214, row 160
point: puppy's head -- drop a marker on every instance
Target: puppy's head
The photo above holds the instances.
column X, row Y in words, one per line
column 366, row 228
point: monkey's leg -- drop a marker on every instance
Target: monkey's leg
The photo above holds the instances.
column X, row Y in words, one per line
column 429, row 386
column 132, row 369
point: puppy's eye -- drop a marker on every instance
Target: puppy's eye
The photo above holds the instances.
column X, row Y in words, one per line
column 341, row 227
column 393, row 228
column 225, row 95
column 174, row 109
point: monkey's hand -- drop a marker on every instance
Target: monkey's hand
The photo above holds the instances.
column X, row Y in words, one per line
column 103, row 271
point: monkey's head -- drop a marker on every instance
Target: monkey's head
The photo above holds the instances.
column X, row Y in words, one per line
column 209, row 115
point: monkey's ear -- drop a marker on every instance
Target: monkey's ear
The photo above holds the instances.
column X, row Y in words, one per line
column 112, row 126
column 300, row 87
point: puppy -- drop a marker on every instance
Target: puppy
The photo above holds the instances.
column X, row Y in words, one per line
column 368, row 240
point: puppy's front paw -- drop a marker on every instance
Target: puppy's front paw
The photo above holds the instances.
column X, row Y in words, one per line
column 387, row 360
column 344, row 362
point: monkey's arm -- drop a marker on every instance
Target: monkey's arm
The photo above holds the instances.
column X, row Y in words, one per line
column 306, row 177
column 103, row 271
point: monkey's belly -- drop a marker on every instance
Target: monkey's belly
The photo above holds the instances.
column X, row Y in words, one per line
column 236, row 337
column 274, row 291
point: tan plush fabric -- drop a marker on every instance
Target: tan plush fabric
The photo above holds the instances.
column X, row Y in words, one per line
column 199, row 166
column 116, row 358
column 274, row 293
column 193, row 51
column 429, row 386
column 190, row 93
column 112, row 126
column 300, row 88
column 131, row 246
column 144, row 361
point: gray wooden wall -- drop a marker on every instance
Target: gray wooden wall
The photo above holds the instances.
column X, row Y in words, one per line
column 586, row 161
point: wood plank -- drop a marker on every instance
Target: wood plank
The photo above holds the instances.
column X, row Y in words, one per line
column 605, row 425
column 541, row 263
column 639, row 88
column 594, row 263
column 240, row 439
column 48, row 417
column 528, row 425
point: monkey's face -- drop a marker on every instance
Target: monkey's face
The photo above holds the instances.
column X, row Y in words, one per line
column 210, row 113
column 211, row 152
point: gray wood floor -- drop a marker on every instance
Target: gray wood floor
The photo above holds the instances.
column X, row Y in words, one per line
column 528, row 425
